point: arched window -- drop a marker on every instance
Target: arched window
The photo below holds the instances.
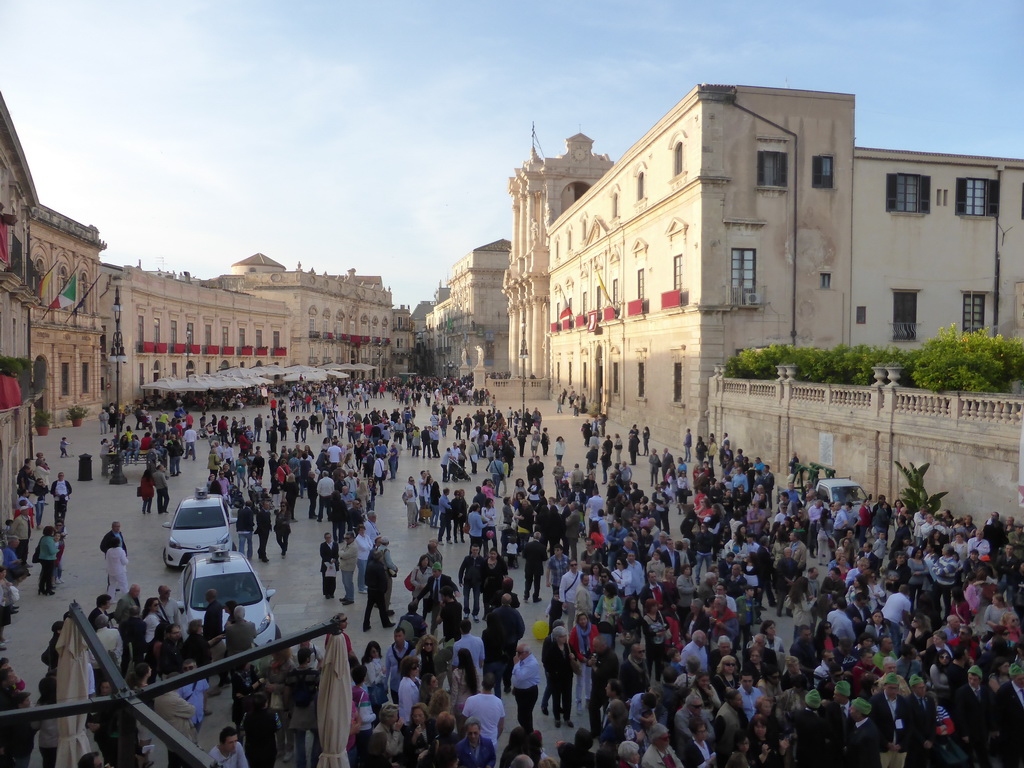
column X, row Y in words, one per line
column 615, row 205
column 640, row 186
column 568, row 241
column 83, row 286
column 677, row 160
column 62, row 277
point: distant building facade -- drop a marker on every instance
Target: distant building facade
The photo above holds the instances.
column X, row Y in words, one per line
column 175, row 326
column 336, row 318
column 471, row 323
column 68, row 342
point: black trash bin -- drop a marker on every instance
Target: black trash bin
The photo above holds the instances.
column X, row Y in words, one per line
column 84, row 466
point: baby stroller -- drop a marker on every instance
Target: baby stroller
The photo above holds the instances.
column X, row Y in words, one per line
column 457, row 472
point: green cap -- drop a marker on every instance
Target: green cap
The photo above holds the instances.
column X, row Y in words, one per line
column 916, row 680
column 813, row 699
column 843, row 687
column 975, row 670
column 863, row 706
column 438, row 567
column 891, row 679
column 1016, row 669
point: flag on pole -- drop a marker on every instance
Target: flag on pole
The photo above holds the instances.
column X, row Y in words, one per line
column 606, row 294
column 566, row 313
column 67, row 296
column 81, row 301
column 45, row 282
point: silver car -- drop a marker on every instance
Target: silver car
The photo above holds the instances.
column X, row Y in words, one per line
column 200, row 522
column 231, row 574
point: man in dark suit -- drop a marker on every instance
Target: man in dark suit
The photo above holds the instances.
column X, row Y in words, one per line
column 973, row 714
column 922, row 723
column 811, row 732
column 837, row 715
column 891, row 714
column 863, row 741
column 431, row 594
column 1010, row 717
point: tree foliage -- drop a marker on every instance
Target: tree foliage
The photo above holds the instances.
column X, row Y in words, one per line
column 952, row 360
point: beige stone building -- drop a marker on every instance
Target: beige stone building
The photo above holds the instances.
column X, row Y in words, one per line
column 938, row 241
column 471, row 323
column 69, row 344
column 17, row 197
column 727, row 225
column 403, row 340
column 542, row 190
column 335, row 318
column 175, row 326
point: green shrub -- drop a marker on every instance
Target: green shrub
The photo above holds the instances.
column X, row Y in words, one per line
column 955, row 360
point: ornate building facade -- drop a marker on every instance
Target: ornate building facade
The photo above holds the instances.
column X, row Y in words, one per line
column 542, row 190
column 68, row 343
column 336, row 318
column 709, row 235
column 471, row 322
column 176, row 326
column 17, row 197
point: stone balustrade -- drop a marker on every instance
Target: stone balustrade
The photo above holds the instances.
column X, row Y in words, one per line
column 971, row 440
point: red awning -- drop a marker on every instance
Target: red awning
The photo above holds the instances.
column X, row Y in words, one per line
column 10, row 393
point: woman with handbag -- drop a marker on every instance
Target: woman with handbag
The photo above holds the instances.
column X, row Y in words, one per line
column 329, row 565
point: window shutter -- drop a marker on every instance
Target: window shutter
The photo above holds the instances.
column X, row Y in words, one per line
column 961, row 195
column 760, row 169
column 925, row 196
column 890, row 191
column 993, row 198
column 816, row 171
column 783, row 168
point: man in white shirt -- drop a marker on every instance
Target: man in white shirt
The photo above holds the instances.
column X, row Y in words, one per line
column 190, row 438
column 842, row 625
column 324, row 489
column 488, row 709
column 697, row 649
column 228, row 754
column 568, row 586
column 334, row 454
column 896, row 612
column 526, row 674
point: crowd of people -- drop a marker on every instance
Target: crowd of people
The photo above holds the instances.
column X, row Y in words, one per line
column 665, row 593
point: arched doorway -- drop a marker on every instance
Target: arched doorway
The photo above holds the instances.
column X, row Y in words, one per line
column 156, row 370
column 190, row 368
column 40, row 375
column 223, row 365
column 599, row 377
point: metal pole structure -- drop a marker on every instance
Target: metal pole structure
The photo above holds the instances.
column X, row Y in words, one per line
column 117, row 357
column 135, row 705
column 188, row 352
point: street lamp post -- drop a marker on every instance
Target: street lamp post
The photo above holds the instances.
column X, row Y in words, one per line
column 117, row 357
column 188, row 352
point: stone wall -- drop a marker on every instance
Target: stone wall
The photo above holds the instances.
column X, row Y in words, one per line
column 971, row 440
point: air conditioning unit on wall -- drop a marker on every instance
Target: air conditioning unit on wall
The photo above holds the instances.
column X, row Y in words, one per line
column 752, row 299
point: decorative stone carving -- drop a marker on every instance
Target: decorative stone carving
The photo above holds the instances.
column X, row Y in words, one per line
column 879, row 371
column 894, row 371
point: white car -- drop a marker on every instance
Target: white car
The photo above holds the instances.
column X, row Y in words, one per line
column 231, row 574
column 201, row 521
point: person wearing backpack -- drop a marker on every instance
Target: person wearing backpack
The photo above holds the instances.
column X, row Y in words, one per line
column 303, row 685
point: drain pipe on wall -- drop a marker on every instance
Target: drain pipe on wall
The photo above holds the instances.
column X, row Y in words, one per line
column 995, row 287
column 796, row 201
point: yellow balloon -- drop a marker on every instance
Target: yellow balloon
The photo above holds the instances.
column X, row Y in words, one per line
column 540, row 629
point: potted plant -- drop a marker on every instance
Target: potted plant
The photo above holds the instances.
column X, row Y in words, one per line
column 42, row 421
column 76, row 413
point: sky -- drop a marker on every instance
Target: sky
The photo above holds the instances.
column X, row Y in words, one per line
column 381, row 135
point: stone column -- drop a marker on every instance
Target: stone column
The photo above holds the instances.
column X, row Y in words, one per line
column 539, row 355
column 513, row 339
column 531, row 217
column 517, row 244
column 531, row 324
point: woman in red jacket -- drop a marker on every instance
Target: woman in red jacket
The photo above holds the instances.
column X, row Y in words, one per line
column 581, row 640
column 146, row 491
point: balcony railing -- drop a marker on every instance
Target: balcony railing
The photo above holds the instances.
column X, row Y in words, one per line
column 904, row 331
column 747, row 295
column 314, row 334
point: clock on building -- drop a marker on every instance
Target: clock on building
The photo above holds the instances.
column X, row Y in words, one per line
column 579, row 154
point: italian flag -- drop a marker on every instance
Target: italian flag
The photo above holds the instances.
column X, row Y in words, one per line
column 66, row 298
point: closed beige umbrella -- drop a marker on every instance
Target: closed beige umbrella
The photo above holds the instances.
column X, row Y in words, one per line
column 334, row 705
column 73, row 671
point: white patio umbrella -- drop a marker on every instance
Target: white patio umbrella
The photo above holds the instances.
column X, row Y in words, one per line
column 334, row 705
column 73, row 670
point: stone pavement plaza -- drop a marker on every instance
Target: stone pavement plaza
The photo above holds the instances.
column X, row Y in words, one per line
column 299, row 601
